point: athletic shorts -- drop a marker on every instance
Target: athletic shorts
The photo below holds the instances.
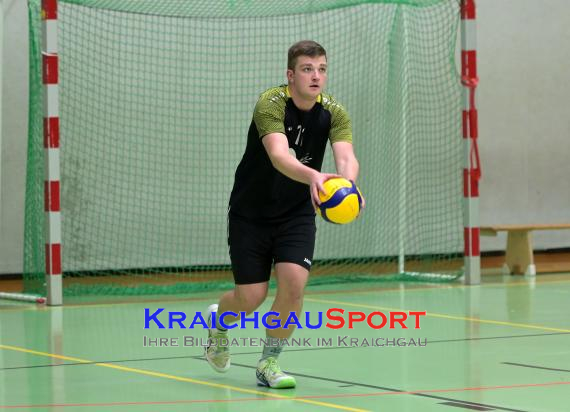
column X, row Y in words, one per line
column 255, row 246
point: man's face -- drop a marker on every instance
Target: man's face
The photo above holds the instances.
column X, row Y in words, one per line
column 309, row 77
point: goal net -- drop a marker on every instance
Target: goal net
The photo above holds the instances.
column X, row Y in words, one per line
column 155, row 100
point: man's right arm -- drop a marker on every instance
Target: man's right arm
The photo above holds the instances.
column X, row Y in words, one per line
column 277, row 148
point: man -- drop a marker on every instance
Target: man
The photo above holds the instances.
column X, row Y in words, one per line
column 271, row 218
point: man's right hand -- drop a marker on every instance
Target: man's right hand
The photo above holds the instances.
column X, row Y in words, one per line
column 317, row 185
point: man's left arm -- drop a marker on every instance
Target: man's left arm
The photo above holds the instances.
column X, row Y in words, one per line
column 345, row 160
column 346, row 163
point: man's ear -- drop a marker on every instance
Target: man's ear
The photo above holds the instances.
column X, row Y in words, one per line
column 290, row 74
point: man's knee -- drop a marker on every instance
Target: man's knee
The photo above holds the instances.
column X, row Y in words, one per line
column 291, row 295
column 251, row 297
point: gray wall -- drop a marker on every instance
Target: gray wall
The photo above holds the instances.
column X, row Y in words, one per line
column 525, row 116
column 523, row 112
column 13, row 140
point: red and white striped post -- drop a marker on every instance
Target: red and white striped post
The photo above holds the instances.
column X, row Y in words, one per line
column 52, row 187
column 472, row 169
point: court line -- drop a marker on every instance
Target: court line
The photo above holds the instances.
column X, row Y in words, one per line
column 535, row 367
column 422, row 393
column 536, row 335
column 466, row 389
column 177, row 378
column 429, row 287
column 442, row 316
column 305, row 399
column 351, row 395
column 134, row 403
column 423, row 287
column 430, row 342
column 464, row 406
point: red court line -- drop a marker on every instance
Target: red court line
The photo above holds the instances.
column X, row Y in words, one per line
column 419, row 392
column 64, row 405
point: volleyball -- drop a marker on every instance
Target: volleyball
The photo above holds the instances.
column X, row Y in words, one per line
column 342, row 203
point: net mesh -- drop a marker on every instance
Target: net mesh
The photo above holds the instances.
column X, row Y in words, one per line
column 155, row 100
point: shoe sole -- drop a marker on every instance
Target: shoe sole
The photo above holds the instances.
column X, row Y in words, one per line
column 285, row 383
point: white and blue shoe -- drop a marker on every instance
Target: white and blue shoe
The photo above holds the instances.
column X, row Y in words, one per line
column 217, row 352
column 270, row 374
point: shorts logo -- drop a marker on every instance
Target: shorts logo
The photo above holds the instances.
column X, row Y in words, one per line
column 307, row 261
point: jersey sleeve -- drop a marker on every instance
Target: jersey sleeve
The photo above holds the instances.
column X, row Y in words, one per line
column 341, row 128
column 269, row 115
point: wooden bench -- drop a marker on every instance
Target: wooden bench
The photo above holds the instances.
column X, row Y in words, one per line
column 519, row 258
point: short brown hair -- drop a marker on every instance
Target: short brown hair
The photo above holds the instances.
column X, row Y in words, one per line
column 304, row 48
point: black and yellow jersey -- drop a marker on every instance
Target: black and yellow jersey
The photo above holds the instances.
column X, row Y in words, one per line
column 260, row 191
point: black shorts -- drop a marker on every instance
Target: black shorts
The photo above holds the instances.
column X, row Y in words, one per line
column 255, row 246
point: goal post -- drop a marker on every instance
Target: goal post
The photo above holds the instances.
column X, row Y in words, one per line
column 153, row 104
column 472, row 166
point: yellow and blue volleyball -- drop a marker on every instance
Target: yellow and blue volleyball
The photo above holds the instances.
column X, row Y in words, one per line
column 342, row 203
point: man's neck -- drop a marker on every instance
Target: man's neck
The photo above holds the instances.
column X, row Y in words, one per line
column 302, row 104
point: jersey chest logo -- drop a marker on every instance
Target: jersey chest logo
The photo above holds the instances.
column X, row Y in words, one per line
column 297, row 134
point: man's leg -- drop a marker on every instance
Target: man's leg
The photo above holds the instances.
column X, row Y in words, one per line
column 291, row 281
column 250, row 253
column 243, row 298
